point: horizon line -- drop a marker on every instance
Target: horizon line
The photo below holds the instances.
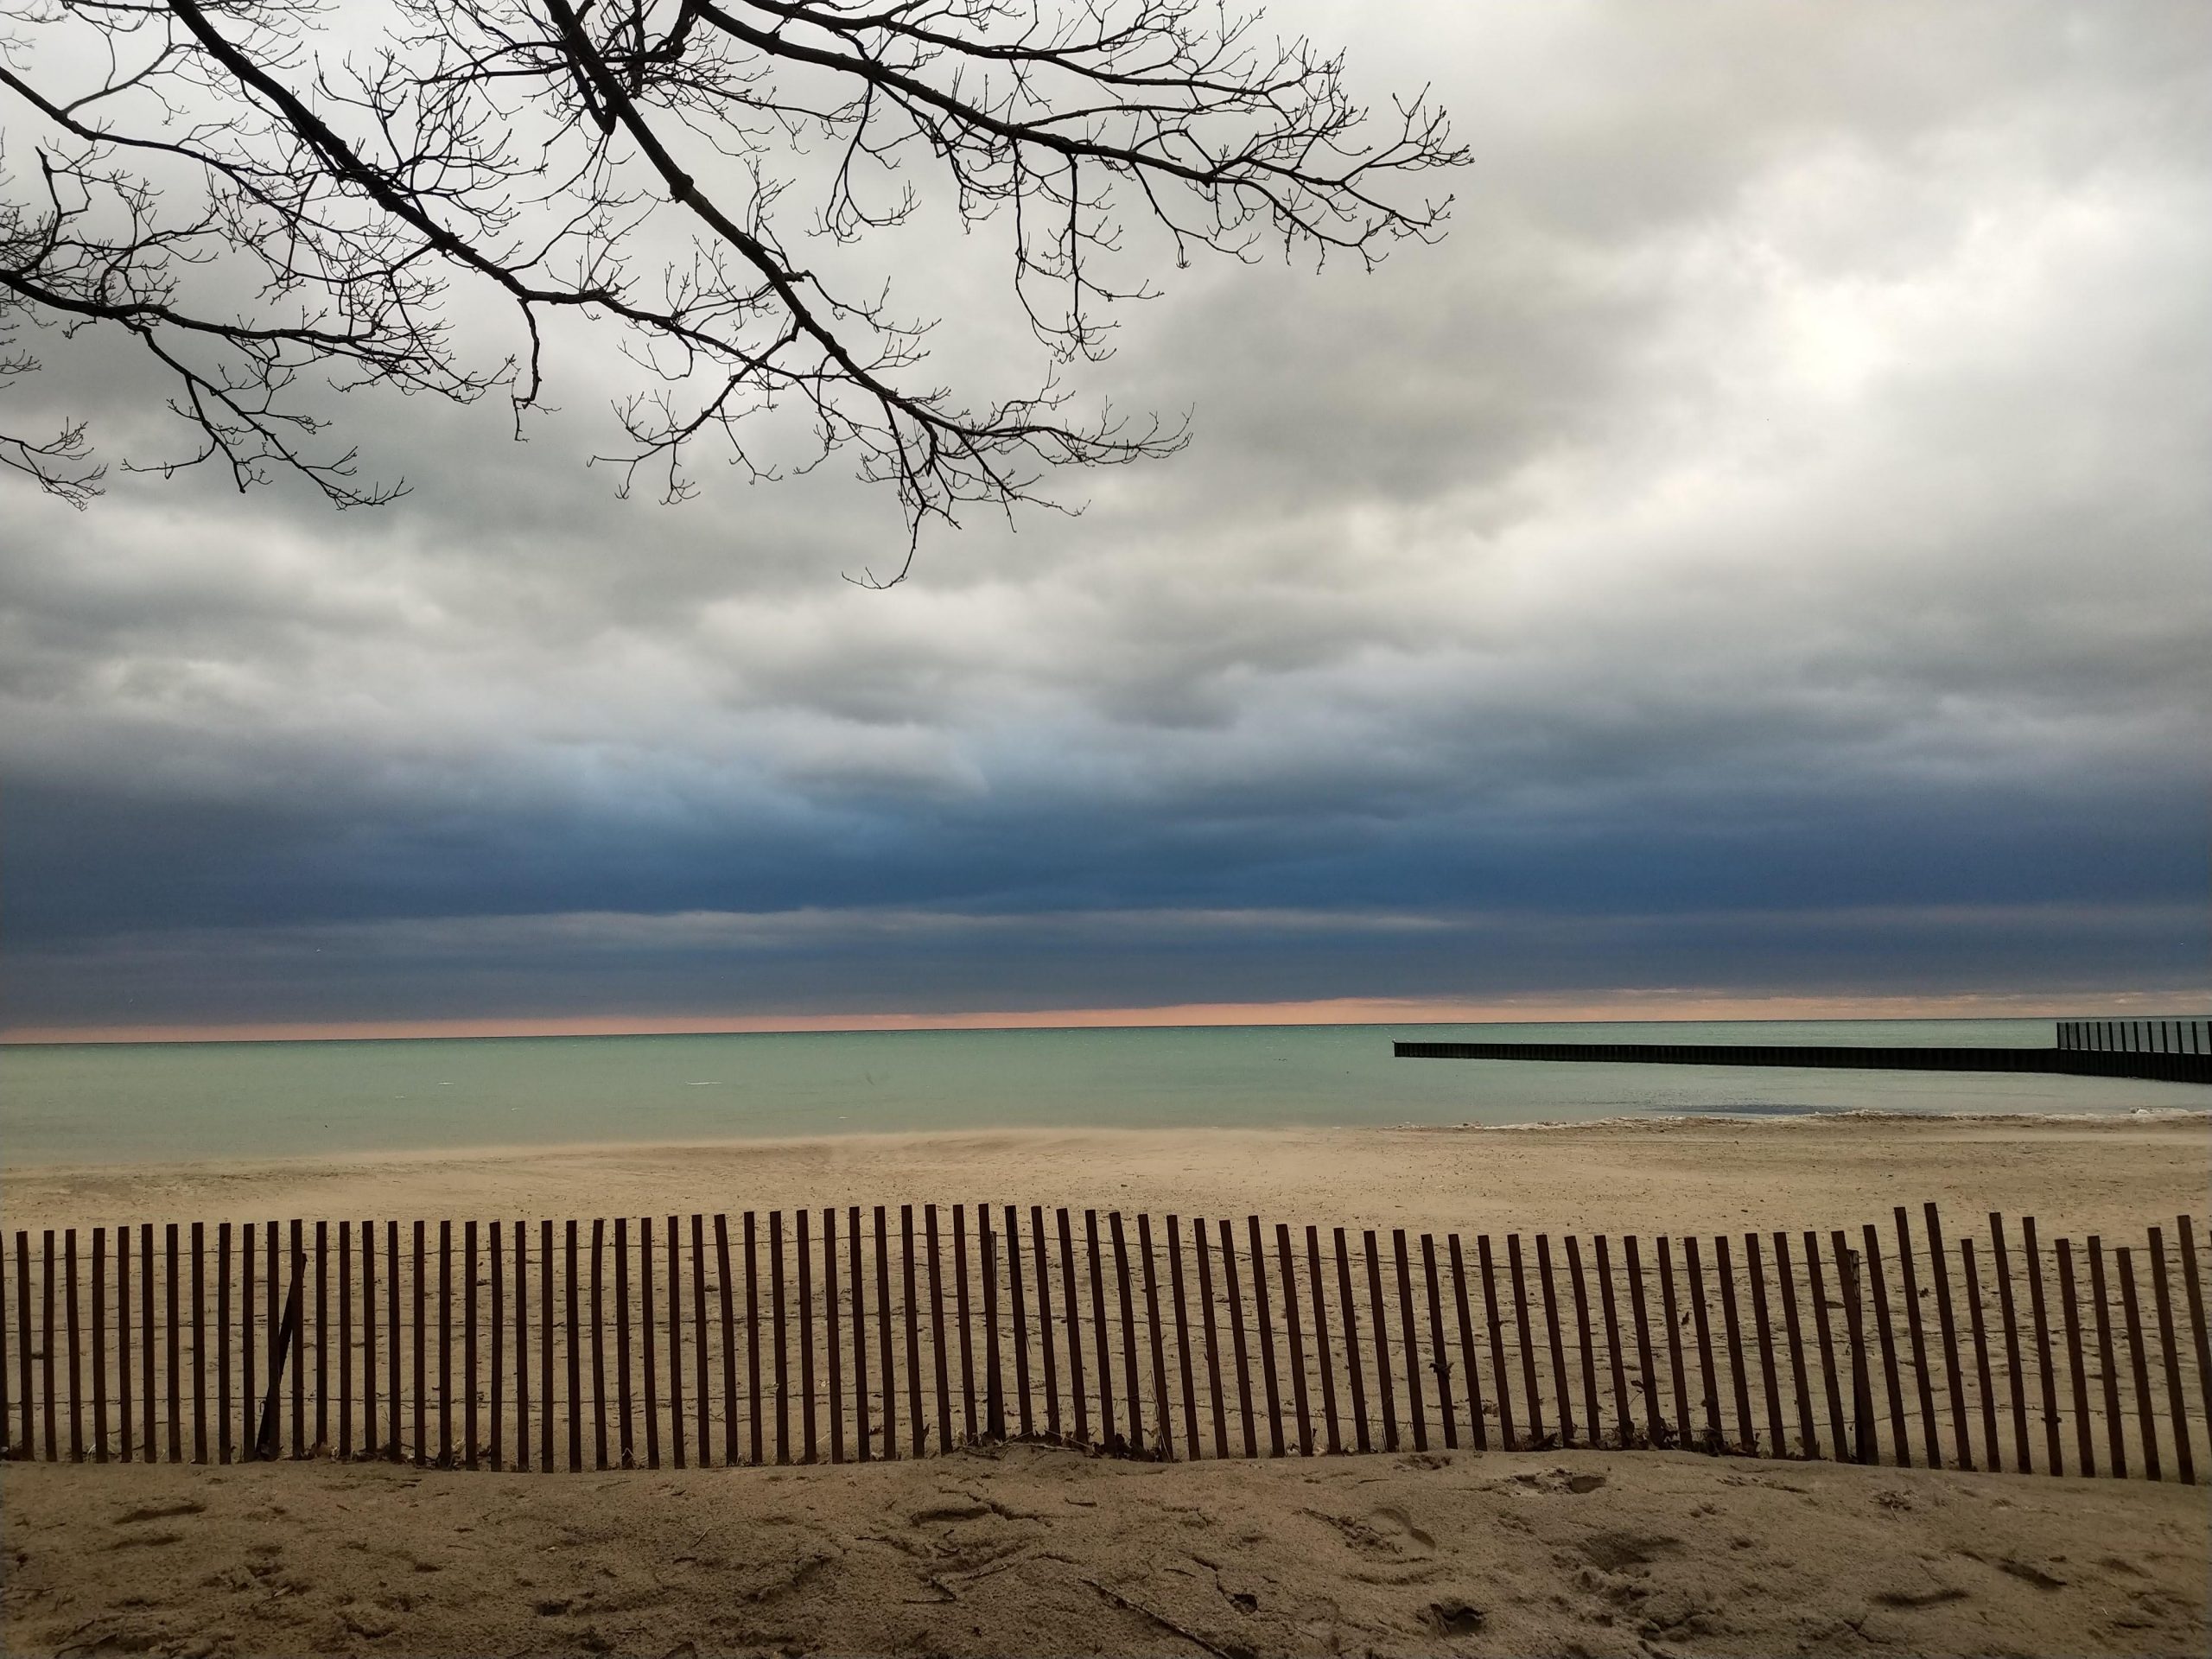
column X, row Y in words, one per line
column 1619, row 1007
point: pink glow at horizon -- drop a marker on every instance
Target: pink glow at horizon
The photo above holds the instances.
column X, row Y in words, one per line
column 1347, row 1011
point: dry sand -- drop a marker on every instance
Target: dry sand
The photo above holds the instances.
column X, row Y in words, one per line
column 1033, row 1549
column 2108, row 1175
column 1028, row 1549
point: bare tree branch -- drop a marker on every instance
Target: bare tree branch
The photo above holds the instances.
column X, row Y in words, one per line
column 278, row 200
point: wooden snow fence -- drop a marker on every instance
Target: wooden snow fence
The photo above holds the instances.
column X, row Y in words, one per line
column 839, row 1335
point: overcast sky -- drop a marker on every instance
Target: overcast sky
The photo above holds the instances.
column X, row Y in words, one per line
column 1760, row 554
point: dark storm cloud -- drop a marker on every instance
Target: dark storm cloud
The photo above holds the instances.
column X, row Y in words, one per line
column 1778, row 506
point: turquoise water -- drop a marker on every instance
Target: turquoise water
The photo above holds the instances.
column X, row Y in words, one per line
column 99, row 1104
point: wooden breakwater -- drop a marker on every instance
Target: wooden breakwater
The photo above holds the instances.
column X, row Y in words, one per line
column 2157, row 1066
column 843, row 1335
column 2137, row 1036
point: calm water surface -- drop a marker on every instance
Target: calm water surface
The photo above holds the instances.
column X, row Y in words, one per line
column 98, row 1103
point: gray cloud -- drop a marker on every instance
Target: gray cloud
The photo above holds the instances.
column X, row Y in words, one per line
column 1782, row 496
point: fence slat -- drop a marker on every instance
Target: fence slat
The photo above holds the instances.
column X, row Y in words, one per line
column 2001, row 1267
column 1101, row 1349
column 1077, row 1395
column 1416, row 1419
column 598, row 1337
column 1800, row 1390
column 1501, row 1372
column 322, row 1345
column 1287, row 1266
column 1922, row 1379
column 1440, row 1354
column 2148, row 1423
column 1025, row 1413
column 1615, row 1352
column 1900, row 1443
column 626, row 1444
column 1213, row 1348
column 469, row 1334
column 1324, row 1356
column 345, row 1346
column 1477, row 1430
column 121, row 1343
column 1939, row 1268
column 1656, row 1425
column 571, row 1297
column 46, row 1349
column 1382, row 1344
column 2084, row 1445
column 1561, row 1386
column 199, row 1343
column 73, row 1324
column 755, row 1426
column 99, row 1349
column 26, row 1347
column 2032, row 1260
column 1128, row 1333
column 1350, row 1308
column 961, row 1314
column 650, row 1369
column 420, row 1348
column 149, row 1403
column 1589, row 1355
column 829, row 1345
column 855, row 1258
column 2177, row 1412
column 1716, row 1436
column 779, row 1324
column 522, row 1350
column 495, row 1372
column 1763, row 1327
column 676, row 1447
column 1044, row 1317
column 703, row 1402
column 7, row 1359
column 2108, row 1359
column 1862, row 1393
column 1236, row 1333
column 803, row 1247
column 391, row 1346
column 1731, row 1327
column 1532, row 1392
column 1264, row 1325
column 1992, row 1459
column 1685, row 1434
column 1825, row 1336
column 884, row 1349
column 916, row 1427
column 1165, row 1430
column 2193, row 1290
column 285, row 1343
column 1182, row 1345
column 172, row 1342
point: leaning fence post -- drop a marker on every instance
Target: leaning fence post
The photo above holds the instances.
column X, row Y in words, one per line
column 1862, row 1392
column 287, row 1339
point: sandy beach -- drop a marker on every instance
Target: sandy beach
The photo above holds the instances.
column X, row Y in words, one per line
column 1655, row 1175
column 1037, row 1549
column 1033, row 1550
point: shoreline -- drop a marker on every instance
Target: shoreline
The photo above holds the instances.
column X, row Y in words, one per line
column 1658, row 1174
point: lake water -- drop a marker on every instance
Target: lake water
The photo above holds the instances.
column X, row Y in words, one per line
column 98, row 1103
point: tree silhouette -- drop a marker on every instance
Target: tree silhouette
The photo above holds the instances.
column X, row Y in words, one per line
column 275, row 198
